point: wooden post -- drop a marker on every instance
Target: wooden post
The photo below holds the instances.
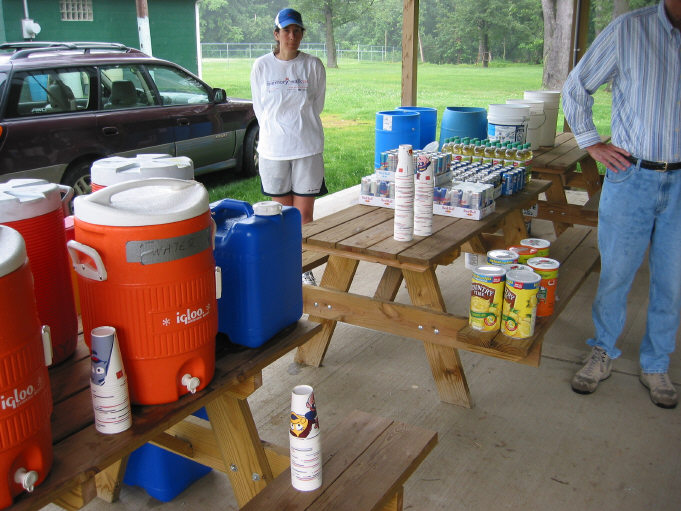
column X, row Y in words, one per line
column 580, row 30
column 410, row 30
column 143, row 26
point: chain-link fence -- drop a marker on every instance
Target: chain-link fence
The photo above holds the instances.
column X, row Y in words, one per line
column 360, row 52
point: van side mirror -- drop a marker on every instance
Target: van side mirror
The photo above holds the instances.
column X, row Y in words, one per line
column 219, row 95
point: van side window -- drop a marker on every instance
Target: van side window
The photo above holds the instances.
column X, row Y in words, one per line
column 52, row 91
column 125, row 87
column 177, row 87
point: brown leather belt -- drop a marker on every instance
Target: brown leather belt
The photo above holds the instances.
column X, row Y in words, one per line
column 660, row 166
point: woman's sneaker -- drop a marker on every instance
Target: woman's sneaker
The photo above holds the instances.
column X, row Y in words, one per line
column 308, row 279
column 662, row 391
column 596, row 369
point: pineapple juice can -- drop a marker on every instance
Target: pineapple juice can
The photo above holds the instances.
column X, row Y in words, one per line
column 519, row 311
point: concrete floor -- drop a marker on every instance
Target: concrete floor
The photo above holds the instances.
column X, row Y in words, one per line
column 529, row 443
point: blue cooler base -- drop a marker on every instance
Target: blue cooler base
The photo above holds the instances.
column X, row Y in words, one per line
column 162, row 474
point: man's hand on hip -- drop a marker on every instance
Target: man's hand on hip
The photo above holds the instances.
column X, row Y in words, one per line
column 613, row 157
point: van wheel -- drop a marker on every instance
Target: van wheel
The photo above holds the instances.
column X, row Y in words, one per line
column 78, row 178
column 251, row 159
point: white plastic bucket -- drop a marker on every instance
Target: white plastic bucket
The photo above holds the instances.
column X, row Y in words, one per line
column 551, row 99
column 507, row 123
column 536, row 122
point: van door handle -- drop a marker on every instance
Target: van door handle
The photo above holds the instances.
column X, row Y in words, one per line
column 183, row 121
column 110, row 130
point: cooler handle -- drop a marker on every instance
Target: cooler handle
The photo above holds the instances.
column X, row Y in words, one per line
column 96, row 273
column 230, row 208
column 218, row 282
column 47, row 344
column 66, row 196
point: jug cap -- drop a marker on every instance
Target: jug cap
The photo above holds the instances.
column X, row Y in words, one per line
column 28, row 198
column 154, row 201
column 267, row 208
column 12, row 250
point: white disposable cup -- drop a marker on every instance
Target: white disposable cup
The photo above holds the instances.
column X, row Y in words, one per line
column 109, row 383
column 305, row 440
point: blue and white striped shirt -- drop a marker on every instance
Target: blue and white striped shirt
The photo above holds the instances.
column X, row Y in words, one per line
column 641, row 52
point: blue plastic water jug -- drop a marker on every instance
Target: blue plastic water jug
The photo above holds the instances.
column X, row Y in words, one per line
column 259, row 249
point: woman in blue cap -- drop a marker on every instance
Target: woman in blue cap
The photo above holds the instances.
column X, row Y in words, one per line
column 288, row 89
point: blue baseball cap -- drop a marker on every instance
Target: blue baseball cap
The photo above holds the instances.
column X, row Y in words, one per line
column 288, row 17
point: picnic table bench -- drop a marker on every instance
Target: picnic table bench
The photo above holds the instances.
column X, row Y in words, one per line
column 366, row 461
column 365, row 233
column 558, row 164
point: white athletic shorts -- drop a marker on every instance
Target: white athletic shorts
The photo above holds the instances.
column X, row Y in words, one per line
column 301, row 176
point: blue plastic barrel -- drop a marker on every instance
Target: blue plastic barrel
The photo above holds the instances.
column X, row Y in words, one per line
column 463, row 121
column 258, row 249
column 163, row 475
column 395, row 127
column 427, row 123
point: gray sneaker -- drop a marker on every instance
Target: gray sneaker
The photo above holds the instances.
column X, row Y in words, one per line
column 597, row 368
column 308, row 279
column 662, row 391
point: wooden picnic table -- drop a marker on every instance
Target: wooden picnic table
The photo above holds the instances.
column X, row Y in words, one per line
column 89, row 464
column 558, row 164
column 365, row 233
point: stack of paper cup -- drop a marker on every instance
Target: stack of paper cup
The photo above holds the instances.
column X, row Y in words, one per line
column 108, row 383
column 305, row 440
column 423, row 196
column 404, row 194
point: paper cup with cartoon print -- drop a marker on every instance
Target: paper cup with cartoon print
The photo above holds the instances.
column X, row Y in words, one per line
column 305, row 440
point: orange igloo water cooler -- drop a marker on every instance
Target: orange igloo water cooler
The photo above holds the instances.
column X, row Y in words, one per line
column 36, row 209
column 143, row 254
column 25, row 396
column 116, row 169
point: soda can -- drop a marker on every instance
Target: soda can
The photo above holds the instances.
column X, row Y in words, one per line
column 365, row 186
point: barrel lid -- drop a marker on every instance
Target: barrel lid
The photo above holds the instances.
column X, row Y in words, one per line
column 116, row 169
column 27, row 198
column 152, row 201
column 267, row 208
column 12, row 250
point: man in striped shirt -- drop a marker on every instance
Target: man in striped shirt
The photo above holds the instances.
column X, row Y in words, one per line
column 640, row 205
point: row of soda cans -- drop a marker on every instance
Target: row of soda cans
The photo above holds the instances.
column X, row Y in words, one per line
column 464, row 195
column 473, row 195
column 441, row 162
column 511, row 179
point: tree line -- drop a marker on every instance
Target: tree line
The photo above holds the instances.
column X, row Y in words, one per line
column 450, row 31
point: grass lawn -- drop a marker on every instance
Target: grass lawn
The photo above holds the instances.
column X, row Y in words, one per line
column 357, row 90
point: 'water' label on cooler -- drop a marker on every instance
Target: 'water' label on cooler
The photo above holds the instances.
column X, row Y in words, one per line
column 167, row 249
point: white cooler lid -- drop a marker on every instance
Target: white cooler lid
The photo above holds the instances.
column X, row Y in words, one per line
column 12, row 250
column 152, row 201
column 27, row 198
column 116, row 169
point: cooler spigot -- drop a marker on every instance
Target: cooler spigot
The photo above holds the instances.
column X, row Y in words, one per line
column 191, row 382
column 26, row 478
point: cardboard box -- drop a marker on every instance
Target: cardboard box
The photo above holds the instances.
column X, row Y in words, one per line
column 438, row 209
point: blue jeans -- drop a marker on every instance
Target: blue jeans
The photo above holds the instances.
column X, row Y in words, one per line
column 639, row 209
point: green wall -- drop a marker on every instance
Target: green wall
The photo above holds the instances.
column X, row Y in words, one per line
column 172, row 24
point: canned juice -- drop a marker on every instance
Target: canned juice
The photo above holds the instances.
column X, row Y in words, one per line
column 541, row 245
column 487, row 292
column 519, row 310
column 547, row 269
column 524, row 253
column 501, row 257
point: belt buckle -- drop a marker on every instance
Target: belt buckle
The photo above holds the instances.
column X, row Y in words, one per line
column 666, row 164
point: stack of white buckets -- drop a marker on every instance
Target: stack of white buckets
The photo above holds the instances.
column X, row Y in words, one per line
column 534, row 117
